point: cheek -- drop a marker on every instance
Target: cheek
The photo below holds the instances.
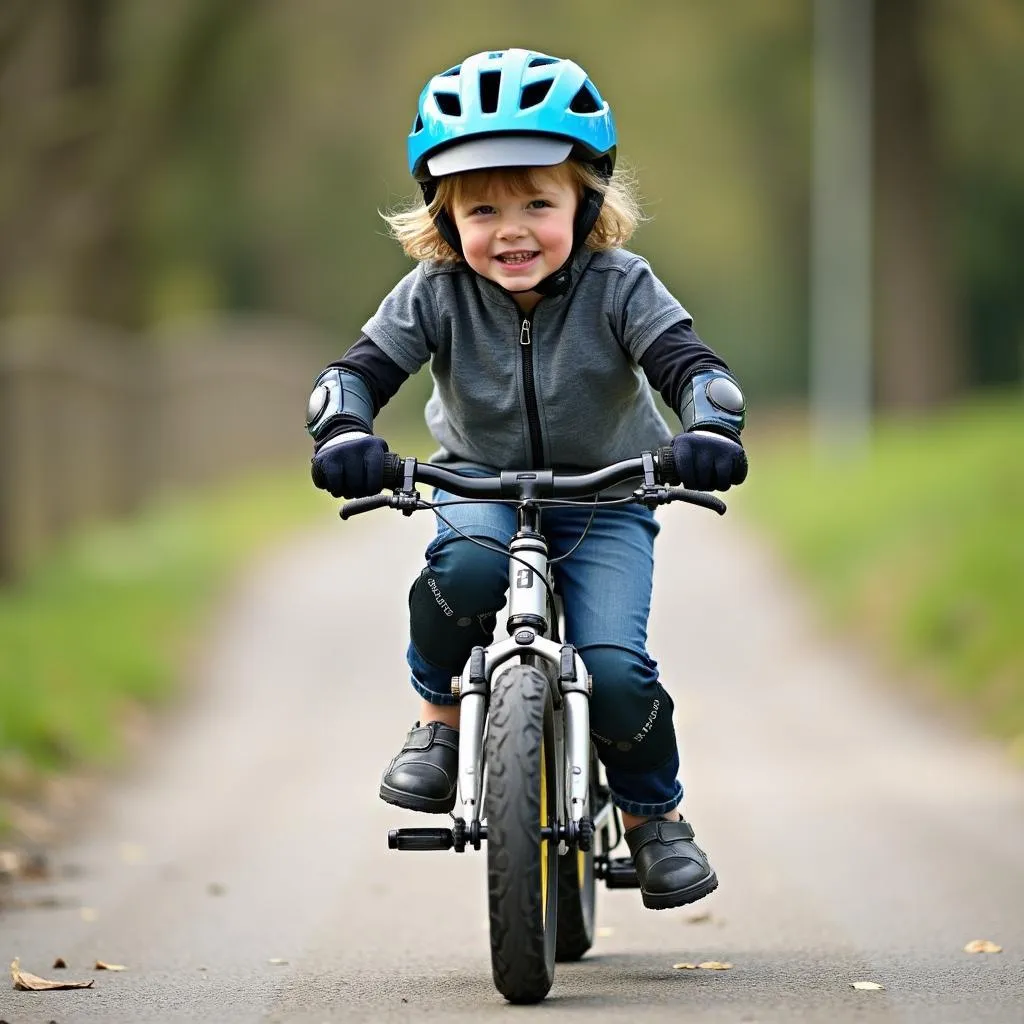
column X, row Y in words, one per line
column 474, row 245
column 556, row 236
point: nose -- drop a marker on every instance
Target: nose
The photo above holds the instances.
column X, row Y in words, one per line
column 510, row 227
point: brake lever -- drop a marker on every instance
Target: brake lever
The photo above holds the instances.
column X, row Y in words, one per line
column 657, row 495
column 407, row 501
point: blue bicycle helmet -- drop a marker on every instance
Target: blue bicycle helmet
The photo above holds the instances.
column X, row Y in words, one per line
column 512, row 108
column 509, row 108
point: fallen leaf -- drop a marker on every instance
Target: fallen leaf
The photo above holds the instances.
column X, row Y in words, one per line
column 684, row 967
column 88, row 914
column 277, row 961
column 982, row 946
column 101, row 966
column 59, row 963
column 699, row 918
column 25, row 982
column 216, row 889
column 35, row 867
column 715, row 965
column 605, row 932
column 867, row 986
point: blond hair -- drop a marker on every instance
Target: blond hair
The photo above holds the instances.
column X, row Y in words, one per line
column 414, row 229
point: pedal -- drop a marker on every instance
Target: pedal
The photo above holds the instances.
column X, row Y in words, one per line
column 619, row 873
column 420, row 839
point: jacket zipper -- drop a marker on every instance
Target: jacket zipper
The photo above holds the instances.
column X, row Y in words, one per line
column 532, row 412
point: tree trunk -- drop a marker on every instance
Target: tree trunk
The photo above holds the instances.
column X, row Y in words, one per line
column 917, row 326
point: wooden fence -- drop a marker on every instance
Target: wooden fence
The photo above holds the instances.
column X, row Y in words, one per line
column 93, row 423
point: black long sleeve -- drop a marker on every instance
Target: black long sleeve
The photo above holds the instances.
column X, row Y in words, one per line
column 673, row 358
column 382, row 375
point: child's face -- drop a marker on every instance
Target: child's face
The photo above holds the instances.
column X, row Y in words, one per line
column 517, row 239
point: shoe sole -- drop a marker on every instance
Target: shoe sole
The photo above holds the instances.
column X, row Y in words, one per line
column 679, row 898
column 411, row 802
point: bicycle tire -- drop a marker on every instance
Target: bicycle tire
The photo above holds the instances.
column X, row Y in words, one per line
column 522, row 867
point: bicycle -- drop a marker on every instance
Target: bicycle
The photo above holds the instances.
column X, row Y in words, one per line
column 529, row 781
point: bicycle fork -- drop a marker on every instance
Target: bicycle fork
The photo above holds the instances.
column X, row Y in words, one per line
column 473, row 688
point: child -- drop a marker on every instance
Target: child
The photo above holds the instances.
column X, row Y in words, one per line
column 545, row 338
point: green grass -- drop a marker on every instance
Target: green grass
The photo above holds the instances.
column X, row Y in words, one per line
column 919, row 546
column 106, row 622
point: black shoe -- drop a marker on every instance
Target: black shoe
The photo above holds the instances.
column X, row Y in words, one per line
column 424, row 774
column 673, row 870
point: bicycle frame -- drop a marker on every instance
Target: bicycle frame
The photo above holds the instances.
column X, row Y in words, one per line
column 530, row 627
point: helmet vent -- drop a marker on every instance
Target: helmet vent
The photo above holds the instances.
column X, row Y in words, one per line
column 449, row 103
column 585, row 102
column 417, row 125
column 535, row 93
column 490, row 82
column 537, row 62
column 451, row 72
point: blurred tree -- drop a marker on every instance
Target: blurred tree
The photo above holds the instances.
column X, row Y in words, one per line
column 976, row 59
column 85, row 138
column 918, row 339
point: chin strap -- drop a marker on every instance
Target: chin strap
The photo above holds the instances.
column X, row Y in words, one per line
column 556, row 283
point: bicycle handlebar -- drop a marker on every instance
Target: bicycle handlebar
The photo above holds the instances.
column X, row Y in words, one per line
column 523, row 485
column 534, row 483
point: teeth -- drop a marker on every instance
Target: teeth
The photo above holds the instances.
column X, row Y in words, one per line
column 522, row 257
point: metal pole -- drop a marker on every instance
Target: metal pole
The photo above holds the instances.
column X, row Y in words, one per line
column 841, row 230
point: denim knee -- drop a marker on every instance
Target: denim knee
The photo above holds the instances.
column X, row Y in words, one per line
column 453, row 604
column 630, row 711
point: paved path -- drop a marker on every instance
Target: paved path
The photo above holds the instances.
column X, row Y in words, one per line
column 855, row 838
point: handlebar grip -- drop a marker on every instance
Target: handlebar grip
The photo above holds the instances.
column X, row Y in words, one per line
column 667, row 466
column 702, row 498
column 357, row 505
column 392, row 470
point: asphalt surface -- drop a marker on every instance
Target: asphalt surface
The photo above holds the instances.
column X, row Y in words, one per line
column 242, row 873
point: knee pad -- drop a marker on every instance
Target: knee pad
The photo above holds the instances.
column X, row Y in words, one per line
column 630, row 711
column 453, row 603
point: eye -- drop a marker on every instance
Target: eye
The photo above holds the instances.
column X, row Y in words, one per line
column 482, row 210
column 538, row 204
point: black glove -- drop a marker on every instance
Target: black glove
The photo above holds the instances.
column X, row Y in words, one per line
column 708, row 462
column 351, row 469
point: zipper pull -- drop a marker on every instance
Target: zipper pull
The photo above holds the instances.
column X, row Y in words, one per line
column 524, row 333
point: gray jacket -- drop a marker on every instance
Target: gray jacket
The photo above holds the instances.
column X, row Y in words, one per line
column 560, row 386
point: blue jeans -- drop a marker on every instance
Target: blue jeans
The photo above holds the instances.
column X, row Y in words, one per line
column 606, row 589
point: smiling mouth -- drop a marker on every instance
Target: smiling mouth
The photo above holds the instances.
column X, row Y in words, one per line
column 520, row 256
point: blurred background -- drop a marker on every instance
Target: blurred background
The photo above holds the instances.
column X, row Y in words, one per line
column 189, row 230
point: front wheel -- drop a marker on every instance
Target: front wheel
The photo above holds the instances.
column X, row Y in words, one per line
column 522, row 866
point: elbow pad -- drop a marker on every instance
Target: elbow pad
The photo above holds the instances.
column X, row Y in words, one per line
column 712, row 400
column 339, row 399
